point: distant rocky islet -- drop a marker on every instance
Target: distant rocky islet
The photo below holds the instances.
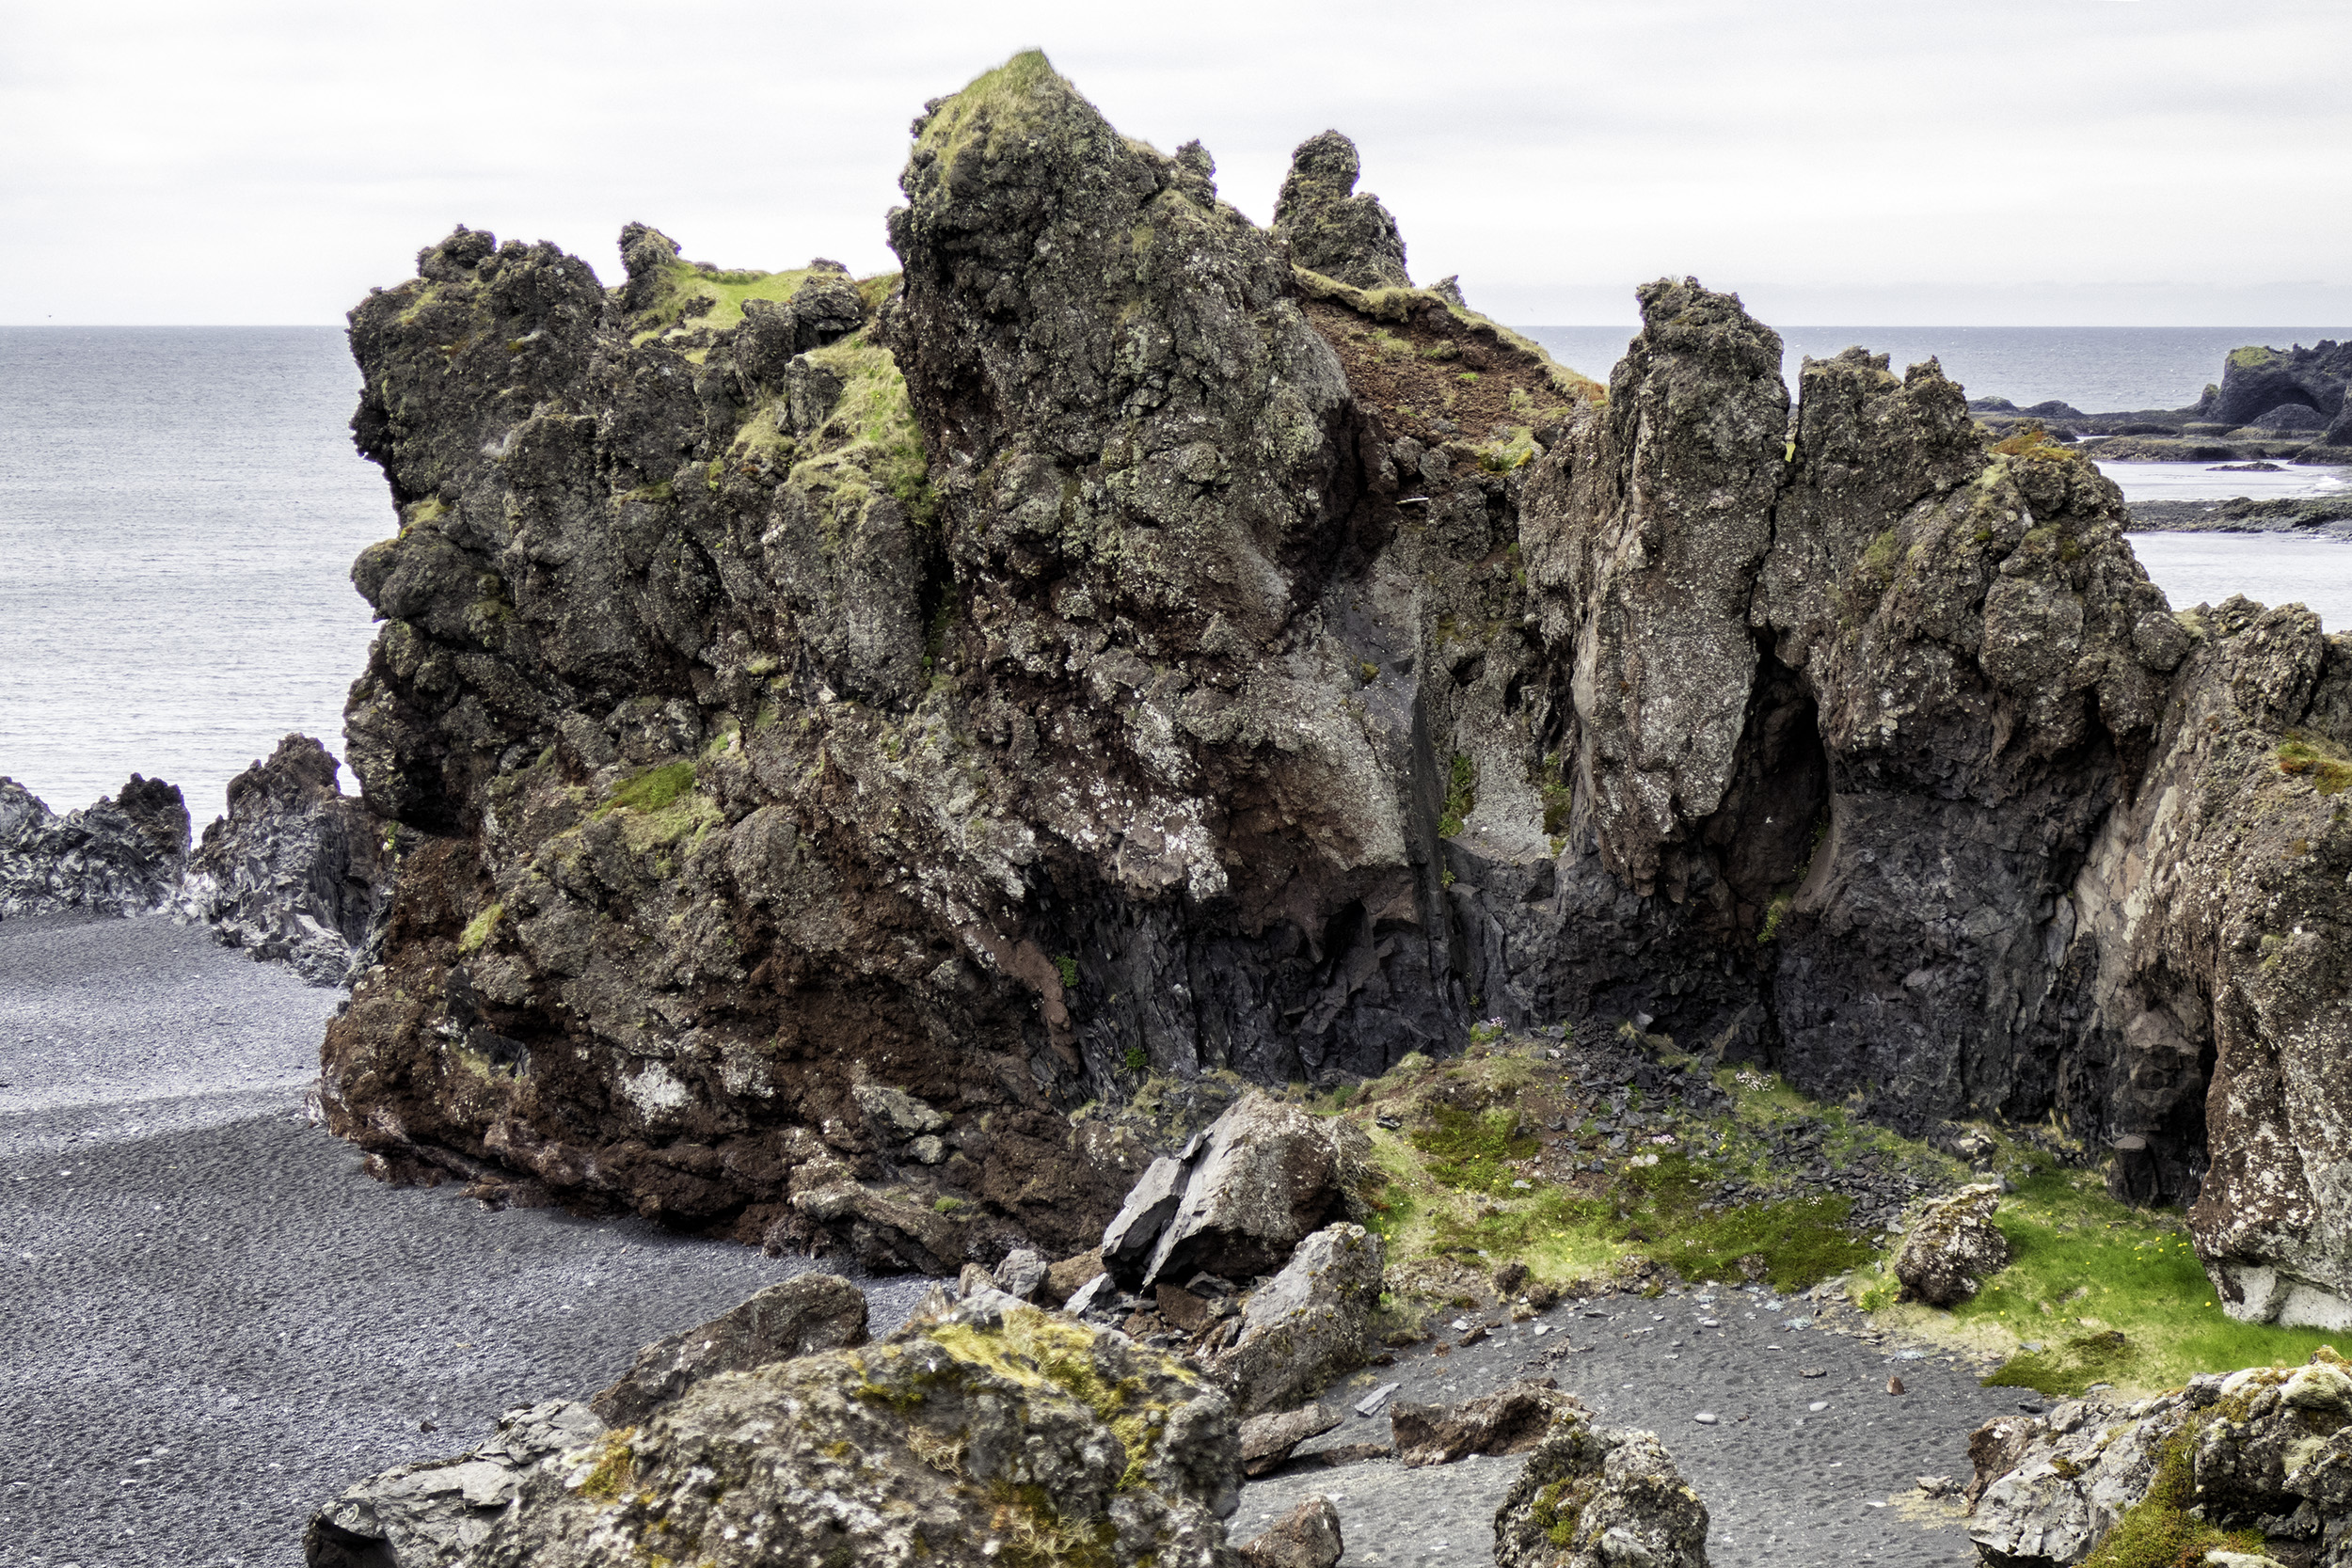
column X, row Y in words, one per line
column 827, row 731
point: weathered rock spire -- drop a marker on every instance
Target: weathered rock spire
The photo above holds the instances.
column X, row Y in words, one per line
column 1331, row 229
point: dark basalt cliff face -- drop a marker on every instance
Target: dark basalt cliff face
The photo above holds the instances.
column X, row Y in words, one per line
column 1114, row 648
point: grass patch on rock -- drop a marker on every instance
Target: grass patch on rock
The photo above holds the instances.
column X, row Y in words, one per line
column 651, row 790
column 1516, row 1152
column 2157, row 1531
column 685, row 284
column 1525, row 1150
column 2098, row 1293
column 870, row 440
column 662, row 806
column 1473, row 1153
column 2316, row 758
column 1789, row 1244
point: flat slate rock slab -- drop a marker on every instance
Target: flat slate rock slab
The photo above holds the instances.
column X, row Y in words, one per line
column 209, row 1321
column 1786, row 1486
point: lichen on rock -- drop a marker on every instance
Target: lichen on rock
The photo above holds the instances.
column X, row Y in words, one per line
column 1597, row 1497
column 2231, row 1463
column 1953, row 1246
column 995, row 1432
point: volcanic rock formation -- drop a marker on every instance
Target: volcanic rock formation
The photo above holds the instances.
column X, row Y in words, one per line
column 1330, row 229
column 984, row 1433
column 122, row 855
column 1108, row 650
column 298, row 870
column 2258, row 381
column 1597, row 1496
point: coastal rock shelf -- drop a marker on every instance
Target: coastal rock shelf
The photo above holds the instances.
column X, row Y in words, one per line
column 2286, row 404
column 1110, row 652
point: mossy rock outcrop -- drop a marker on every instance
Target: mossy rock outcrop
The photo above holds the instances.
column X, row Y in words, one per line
column 1599, row 1496
column 2254, row 1461
column 995, row 1433
column 1115, row 650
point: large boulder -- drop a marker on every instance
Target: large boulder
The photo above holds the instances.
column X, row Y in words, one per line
column 2266, row 1449
column 993, row 1432
column 1266, row 1441
column 122, row 855
column 298, row 870
column 1308, row 1325
column 437, row 1512
column 1953, row 1246
column 1600, row 1497
column 800, row 1317
column 1264, row 1176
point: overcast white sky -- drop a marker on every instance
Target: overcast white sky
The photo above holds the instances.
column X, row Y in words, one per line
column 1963, row 161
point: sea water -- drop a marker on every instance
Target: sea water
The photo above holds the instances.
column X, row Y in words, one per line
column 180, row 507
column 179, row 511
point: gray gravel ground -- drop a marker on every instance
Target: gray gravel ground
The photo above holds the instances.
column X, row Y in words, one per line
column 209, row 1321
column 1786, row 1486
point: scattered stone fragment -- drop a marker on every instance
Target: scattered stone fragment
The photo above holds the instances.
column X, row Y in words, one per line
column 1266, row 1441
column 1353, row 1454
column 1094, row 1296
column 1185, row 1313
column 1308, row 1538
column 1370, row 1404
column 435, row 1512
column 1307, row 1324
column 1065, row 1278
column 1512, row 1420
column 1893, row 1385
column 1705, row 1417
column 1023, row 1274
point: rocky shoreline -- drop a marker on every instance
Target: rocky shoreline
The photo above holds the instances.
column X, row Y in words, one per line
column 2270, row 404
column 2329, row 517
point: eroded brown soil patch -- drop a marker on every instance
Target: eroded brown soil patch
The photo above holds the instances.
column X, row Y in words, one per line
column 1423, row 363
